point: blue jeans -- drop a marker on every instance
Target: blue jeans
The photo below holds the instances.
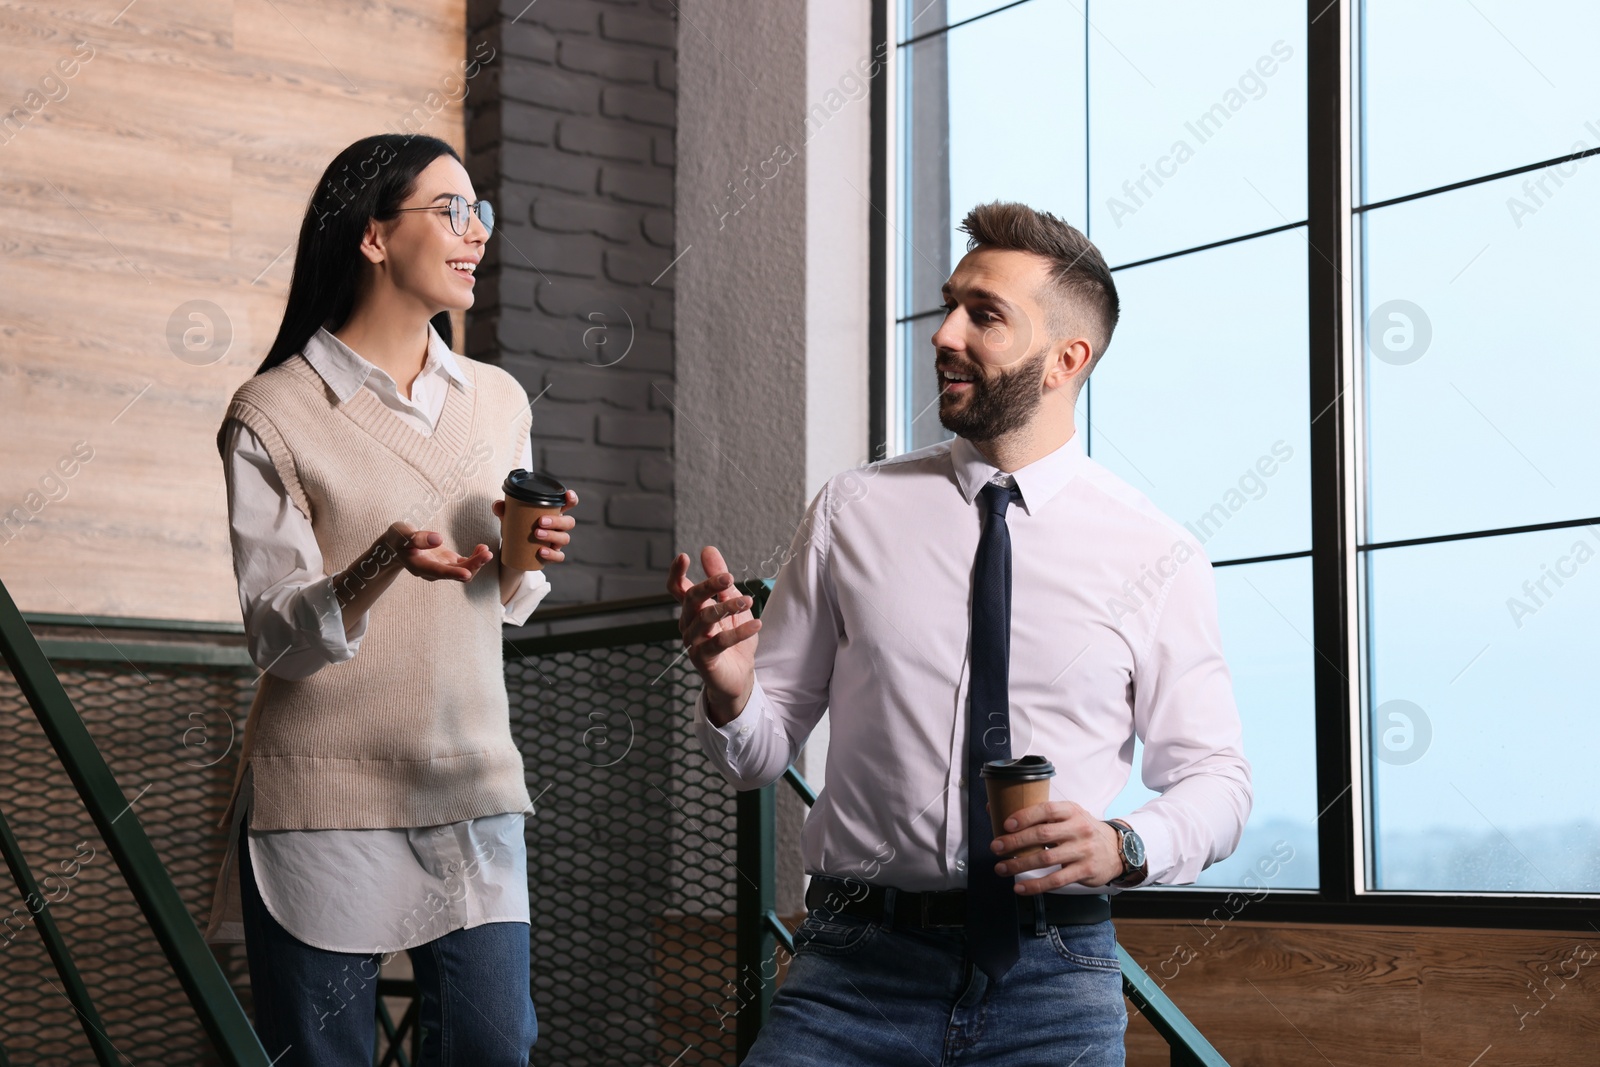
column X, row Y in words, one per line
column 861, row 992
column 319, row 1009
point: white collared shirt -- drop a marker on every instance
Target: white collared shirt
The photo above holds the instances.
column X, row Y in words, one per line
column 378, row 890
column 1114, row 632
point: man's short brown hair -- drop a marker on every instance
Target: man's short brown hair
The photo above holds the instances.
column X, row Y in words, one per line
column 1082, row 296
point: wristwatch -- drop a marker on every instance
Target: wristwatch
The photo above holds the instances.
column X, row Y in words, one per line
column 1130, row 845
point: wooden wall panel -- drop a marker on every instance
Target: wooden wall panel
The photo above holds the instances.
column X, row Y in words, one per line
column 1286, row 996
column 175, row 166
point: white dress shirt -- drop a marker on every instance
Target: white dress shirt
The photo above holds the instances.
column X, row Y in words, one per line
column 1113, row 633
column 377, row 890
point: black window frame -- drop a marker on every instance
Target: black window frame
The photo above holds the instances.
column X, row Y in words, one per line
column 1336, row 553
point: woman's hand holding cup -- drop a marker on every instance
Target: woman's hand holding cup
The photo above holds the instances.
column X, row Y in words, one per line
column 551, row 530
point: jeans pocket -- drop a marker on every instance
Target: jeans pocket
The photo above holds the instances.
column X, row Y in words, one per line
column 837, row 935
column 1087, row 944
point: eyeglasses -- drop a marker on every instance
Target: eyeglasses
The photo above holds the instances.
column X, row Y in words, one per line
column 461, row 213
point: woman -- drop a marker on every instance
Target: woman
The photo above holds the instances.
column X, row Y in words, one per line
column 380, row 796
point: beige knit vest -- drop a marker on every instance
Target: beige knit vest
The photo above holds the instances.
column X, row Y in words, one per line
column 414, row 729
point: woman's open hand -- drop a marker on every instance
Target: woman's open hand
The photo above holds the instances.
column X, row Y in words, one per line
column 423, row 553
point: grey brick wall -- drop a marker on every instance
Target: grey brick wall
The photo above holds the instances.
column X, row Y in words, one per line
column 570, row 133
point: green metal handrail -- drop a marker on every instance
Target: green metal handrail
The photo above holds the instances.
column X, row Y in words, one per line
column 174, row 928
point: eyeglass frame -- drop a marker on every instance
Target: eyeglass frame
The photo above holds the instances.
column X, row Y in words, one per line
column 468, row 210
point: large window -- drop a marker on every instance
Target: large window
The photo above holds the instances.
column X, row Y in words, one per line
column 1480, row 374
column 1182, row 141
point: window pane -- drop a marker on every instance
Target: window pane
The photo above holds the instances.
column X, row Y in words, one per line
column 1481, row 713
column 1196, row 132
column 919, row 389
column 1265, row 612
column 994, row 112
column 1458, row 91
column 1201, row 400
column 1481, row 358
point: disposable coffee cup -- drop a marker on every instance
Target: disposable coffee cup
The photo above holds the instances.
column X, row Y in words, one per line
column 529, row 497
column 1015, row 784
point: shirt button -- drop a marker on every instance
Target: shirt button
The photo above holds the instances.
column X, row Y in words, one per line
column 961, row 866
column 440, row 830
column 452, row 868
column 744, row 731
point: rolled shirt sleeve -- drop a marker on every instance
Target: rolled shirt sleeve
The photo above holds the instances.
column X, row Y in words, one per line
column 535, row 585
column 533, row 588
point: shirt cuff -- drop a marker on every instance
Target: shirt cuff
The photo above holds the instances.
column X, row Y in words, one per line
column 318, row 611
column 532, row 589
column 737, row 733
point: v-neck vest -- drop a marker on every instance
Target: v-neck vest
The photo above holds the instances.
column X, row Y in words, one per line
column 414, row 729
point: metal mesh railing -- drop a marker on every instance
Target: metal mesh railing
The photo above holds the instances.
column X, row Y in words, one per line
column 160, row 727
column 631, row 845
column 630, row 854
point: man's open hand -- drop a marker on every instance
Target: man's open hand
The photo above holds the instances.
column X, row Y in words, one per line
column 719, row 632
column 1084, row 846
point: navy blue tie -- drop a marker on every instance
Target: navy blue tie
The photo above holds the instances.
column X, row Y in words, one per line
column 993, row 938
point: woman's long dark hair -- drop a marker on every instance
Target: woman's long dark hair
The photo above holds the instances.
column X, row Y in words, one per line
column 366, row 181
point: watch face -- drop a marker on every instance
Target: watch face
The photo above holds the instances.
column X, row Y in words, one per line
column 1132, row 848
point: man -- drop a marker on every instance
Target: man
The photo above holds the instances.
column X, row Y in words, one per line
column 985, row 598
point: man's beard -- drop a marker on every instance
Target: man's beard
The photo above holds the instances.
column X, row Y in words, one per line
column 997, row 405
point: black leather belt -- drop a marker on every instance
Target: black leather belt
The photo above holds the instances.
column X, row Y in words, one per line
column 943, row 908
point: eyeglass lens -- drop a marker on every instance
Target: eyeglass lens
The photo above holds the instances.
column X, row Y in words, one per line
column 461, row 214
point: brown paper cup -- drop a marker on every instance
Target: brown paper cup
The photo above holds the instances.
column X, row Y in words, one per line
column 518, row 547
column 1008, row 798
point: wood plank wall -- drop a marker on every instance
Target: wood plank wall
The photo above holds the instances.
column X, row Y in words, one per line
column 1353, row 996
column 152, row 154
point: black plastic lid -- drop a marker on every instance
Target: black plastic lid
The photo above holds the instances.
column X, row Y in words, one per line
column 1026, row 769
column 539, row 490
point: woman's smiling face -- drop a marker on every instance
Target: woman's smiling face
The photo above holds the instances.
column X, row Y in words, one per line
column 425, row 258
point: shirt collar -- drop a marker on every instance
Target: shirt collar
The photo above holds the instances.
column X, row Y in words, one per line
column 1039, row 481
column 346, row 370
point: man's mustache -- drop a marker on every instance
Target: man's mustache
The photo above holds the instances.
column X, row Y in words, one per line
column 943, row 363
